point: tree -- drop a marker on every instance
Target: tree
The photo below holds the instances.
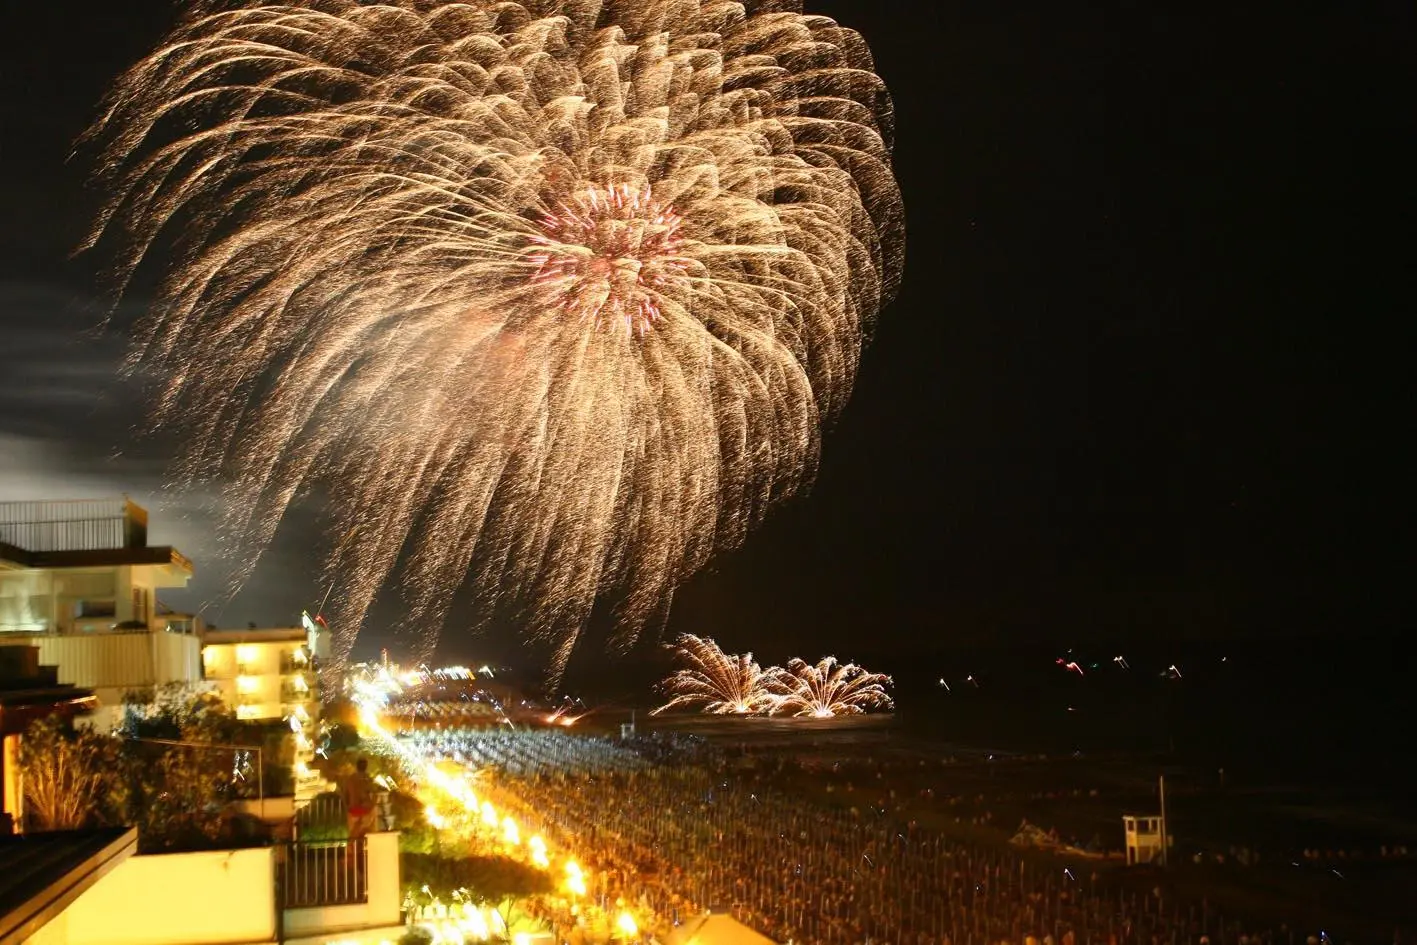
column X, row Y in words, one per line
column 166, row 710
column 72, row 779
column 340, row 737
column 416, row 835
column 171, row 769
column 180, row 792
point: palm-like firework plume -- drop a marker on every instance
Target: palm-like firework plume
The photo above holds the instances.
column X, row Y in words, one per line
column 717, row 682
column 551, row 296
column 828, row 689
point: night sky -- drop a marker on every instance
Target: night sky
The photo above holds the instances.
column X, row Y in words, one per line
column 1146, row 377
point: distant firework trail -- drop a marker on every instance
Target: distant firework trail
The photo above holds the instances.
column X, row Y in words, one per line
column 550, row 297
column 829, row 689
column 717, row 682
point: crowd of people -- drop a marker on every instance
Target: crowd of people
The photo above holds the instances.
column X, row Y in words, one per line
column 670, row 825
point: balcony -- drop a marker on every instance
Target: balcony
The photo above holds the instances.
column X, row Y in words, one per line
column 184, row 624
column 73, row 525
column 290, row 695
column 293, row 663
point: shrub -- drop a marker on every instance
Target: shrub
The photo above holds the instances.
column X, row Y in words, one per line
column 486, row 878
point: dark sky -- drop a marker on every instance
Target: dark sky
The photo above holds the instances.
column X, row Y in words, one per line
column 1147, row 377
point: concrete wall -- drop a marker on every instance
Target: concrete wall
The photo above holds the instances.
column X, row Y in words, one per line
column 227, row 896
column 382, row 909
column 280, row 807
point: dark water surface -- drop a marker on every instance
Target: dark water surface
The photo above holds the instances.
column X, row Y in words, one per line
column 1305, row 714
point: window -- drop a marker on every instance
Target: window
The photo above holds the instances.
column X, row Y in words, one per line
column 96, row 608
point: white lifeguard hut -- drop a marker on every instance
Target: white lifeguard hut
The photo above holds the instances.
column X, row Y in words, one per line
column 1146, row 838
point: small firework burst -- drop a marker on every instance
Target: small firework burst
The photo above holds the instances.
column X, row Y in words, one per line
column 828, row 689
column 718, row 682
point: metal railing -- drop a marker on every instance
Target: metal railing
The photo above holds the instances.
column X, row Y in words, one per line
column 324, row 817
column 73, row 525
column 324, row 873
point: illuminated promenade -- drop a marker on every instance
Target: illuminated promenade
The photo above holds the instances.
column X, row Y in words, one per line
column 460, row 804
column 647, row 832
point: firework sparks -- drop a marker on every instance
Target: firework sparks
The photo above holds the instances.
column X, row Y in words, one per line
column 566, row 714
column 718, row 682
column 828, row 689
column 550, row 298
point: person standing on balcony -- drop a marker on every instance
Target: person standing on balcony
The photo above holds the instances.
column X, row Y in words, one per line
column 360, row 800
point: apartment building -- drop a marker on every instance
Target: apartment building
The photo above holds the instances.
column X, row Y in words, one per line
column 271, row 674
column 79, row 581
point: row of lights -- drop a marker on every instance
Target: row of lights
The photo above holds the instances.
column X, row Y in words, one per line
column 456, row 788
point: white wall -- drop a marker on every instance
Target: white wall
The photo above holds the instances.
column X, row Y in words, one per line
column 13, row 797
column 226, row 896
column 223, row 897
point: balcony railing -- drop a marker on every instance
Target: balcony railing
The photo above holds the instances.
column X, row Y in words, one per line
column 324, row 873
column 185, row 625
column 290, row 694
column 73, row 524
column 324, row 816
